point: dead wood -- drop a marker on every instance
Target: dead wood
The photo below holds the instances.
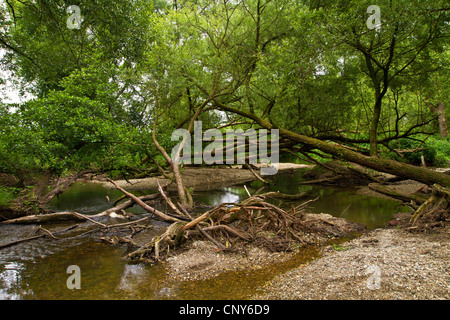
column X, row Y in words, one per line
column 151, row 251
column 125, row 205
column 169, row 202
column 74, row 216
column 319, row 181
column 253, row 221
column 364, row 174
column 9, row 244
column 47, row 233
column 192, row 223
column 438, row 201
column 61, row 185
column 145, row 206
column 204, row 216
column 416, row 197
column 283, row 196
column 47, row 218
column 257, row 176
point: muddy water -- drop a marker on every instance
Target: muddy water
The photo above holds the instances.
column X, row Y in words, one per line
column 38, row 269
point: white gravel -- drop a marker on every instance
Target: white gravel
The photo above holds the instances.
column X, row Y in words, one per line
column 381, row 264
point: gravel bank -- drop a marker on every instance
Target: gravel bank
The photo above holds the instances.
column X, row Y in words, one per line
column 381, row 264
column 202, row 261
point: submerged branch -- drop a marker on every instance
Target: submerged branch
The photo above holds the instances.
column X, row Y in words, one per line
column 145, row 206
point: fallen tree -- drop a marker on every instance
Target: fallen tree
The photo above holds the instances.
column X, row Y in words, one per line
column 427, row 176
column 416, row 197
column 421, row 174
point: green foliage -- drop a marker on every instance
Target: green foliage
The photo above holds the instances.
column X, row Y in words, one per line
column 436, row 151
column 42, row 50
column 7, row 195
column 69, row 130
column 441, row 148
column 338, row 247
column 312, row 67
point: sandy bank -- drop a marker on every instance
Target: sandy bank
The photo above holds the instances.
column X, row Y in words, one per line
column 201, row 179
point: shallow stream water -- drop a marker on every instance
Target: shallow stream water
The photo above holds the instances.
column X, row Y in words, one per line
column 38, row 269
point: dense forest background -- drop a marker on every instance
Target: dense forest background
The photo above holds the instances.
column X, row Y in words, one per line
column 313, row 69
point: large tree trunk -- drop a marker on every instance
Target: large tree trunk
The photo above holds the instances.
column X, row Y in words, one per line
column 423, row 175
column 407, row 171
column 439, row 110
column 374, row 127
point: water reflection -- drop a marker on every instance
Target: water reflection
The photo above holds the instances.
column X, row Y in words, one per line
column 223, row 195
column 132, row 275
column 11, row 284
column 86, row 198
column 339, row 202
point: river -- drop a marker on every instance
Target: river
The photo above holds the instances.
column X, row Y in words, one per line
column 38, row 269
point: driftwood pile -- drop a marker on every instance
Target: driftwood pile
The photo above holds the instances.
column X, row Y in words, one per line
column 430, row 206
column 231, row 227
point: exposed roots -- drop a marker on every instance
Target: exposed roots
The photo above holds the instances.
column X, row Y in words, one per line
column 428, row 212
column 159, row 246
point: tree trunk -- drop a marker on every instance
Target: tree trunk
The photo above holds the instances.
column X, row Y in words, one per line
column 374, row 127
column 174, row 167
column 62, row 185
column 439, row 110
column 407, row 171
column 185, row 199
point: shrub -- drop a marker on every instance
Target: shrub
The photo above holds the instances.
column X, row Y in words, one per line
column 427, row 150
column 7, row 195
column 442, row 148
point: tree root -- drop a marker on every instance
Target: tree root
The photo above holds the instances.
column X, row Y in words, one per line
column 438, row 201
column 254, row 221
column 152, row 250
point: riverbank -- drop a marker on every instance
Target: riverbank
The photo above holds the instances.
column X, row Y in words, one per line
column 200, row 179
column 382, row 264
